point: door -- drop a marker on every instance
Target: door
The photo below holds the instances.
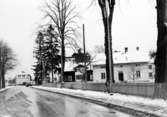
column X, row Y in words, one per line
column 121, row 76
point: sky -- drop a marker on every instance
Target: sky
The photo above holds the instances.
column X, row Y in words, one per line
column 134, row 24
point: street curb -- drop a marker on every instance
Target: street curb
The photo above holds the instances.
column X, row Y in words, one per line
column 4, row 89
column 127, row 110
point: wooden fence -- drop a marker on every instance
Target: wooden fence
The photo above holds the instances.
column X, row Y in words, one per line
column 139, row 89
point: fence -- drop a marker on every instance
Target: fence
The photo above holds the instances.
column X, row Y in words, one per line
column 139, row 89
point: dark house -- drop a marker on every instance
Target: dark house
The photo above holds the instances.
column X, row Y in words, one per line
column 74, row 72
column 69, row 76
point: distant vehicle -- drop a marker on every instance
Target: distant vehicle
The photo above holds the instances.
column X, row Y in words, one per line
column 28, row 84
column 23, row 79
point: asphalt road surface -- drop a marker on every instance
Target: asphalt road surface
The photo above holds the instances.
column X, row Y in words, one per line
column 28, row 102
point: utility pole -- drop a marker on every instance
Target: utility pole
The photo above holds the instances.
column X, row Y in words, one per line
column 85, row 72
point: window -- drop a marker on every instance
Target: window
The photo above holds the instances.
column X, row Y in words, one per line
column 79, row 77
column 150, row 66
column 150, row 74
column 69, row 78
column 102, row 66
column 138, row 74
column 23, row 76
column 103, row 75
column 121, row 65
column 91, row 77
column 137, row 65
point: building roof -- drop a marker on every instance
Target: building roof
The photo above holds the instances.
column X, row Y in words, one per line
column 124, row 58
column 69, row 66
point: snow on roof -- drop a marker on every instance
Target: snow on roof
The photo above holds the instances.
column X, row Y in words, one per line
column 121, row 57
column 69, row 66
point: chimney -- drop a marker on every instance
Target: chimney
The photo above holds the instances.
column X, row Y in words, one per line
column 126, row 49
column 137, row 48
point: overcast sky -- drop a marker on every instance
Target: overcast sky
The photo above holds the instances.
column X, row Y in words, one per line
column 134, row 24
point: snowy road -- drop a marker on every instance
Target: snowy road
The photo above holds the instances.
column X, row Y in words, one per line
column 28, row 102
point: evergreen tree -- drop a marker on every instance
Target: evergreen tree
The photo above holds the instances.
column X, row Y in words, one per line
column 81, row 58
column 47, row 54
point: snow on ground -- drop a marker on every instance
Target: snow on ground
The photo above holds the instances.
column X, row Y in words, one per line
column 17, row 102
column 33, row 97
column 53, row 105
column 1, row 90
column 156, row 106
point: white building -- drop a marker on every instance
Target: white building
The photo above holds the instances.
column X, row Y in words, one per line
column 22, row 78
column 128, row 67
column 126, row 72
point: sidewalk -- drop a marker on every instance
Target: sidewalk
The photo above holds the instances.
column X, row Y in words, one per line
column 147, row 105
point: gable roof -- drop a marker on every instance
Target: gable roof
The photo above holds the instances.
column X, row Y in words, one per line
column 123, row 58
column 69, row 66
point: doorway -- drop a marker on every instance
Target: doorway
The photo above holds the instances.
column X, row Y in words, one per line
column 121, row 76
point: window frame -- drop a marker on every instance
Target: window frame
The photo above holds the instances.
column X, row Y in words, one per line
column 103, row 75
column 138, row 74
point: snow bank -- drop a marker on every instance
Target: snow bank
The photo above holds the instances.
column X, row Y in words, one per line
column 1, row 90
column 154, row 106
column 107, row 97
column 140, row 100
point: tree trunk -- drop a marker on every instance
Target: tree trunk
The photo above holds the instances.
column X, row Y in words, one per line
column 3, row 78
column 3, row 74
column 0, row 81
column 107, row 14
column 52, row 73
column 161, row 54
column 52, row 66
column 110, row 36
column 62, row 59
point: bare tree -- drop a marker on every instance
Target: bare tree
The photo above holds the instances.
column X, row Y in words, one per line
column 107, row 10
column 99, row 49
column 161, row 54
column 7, row 61
column 62, row 14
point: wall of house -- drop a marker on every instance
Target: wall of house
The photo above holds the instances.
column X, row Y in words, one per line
column 129, row 72
column 97, row 71
column 125, row 69
column 56, row 77
column 22, row 77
